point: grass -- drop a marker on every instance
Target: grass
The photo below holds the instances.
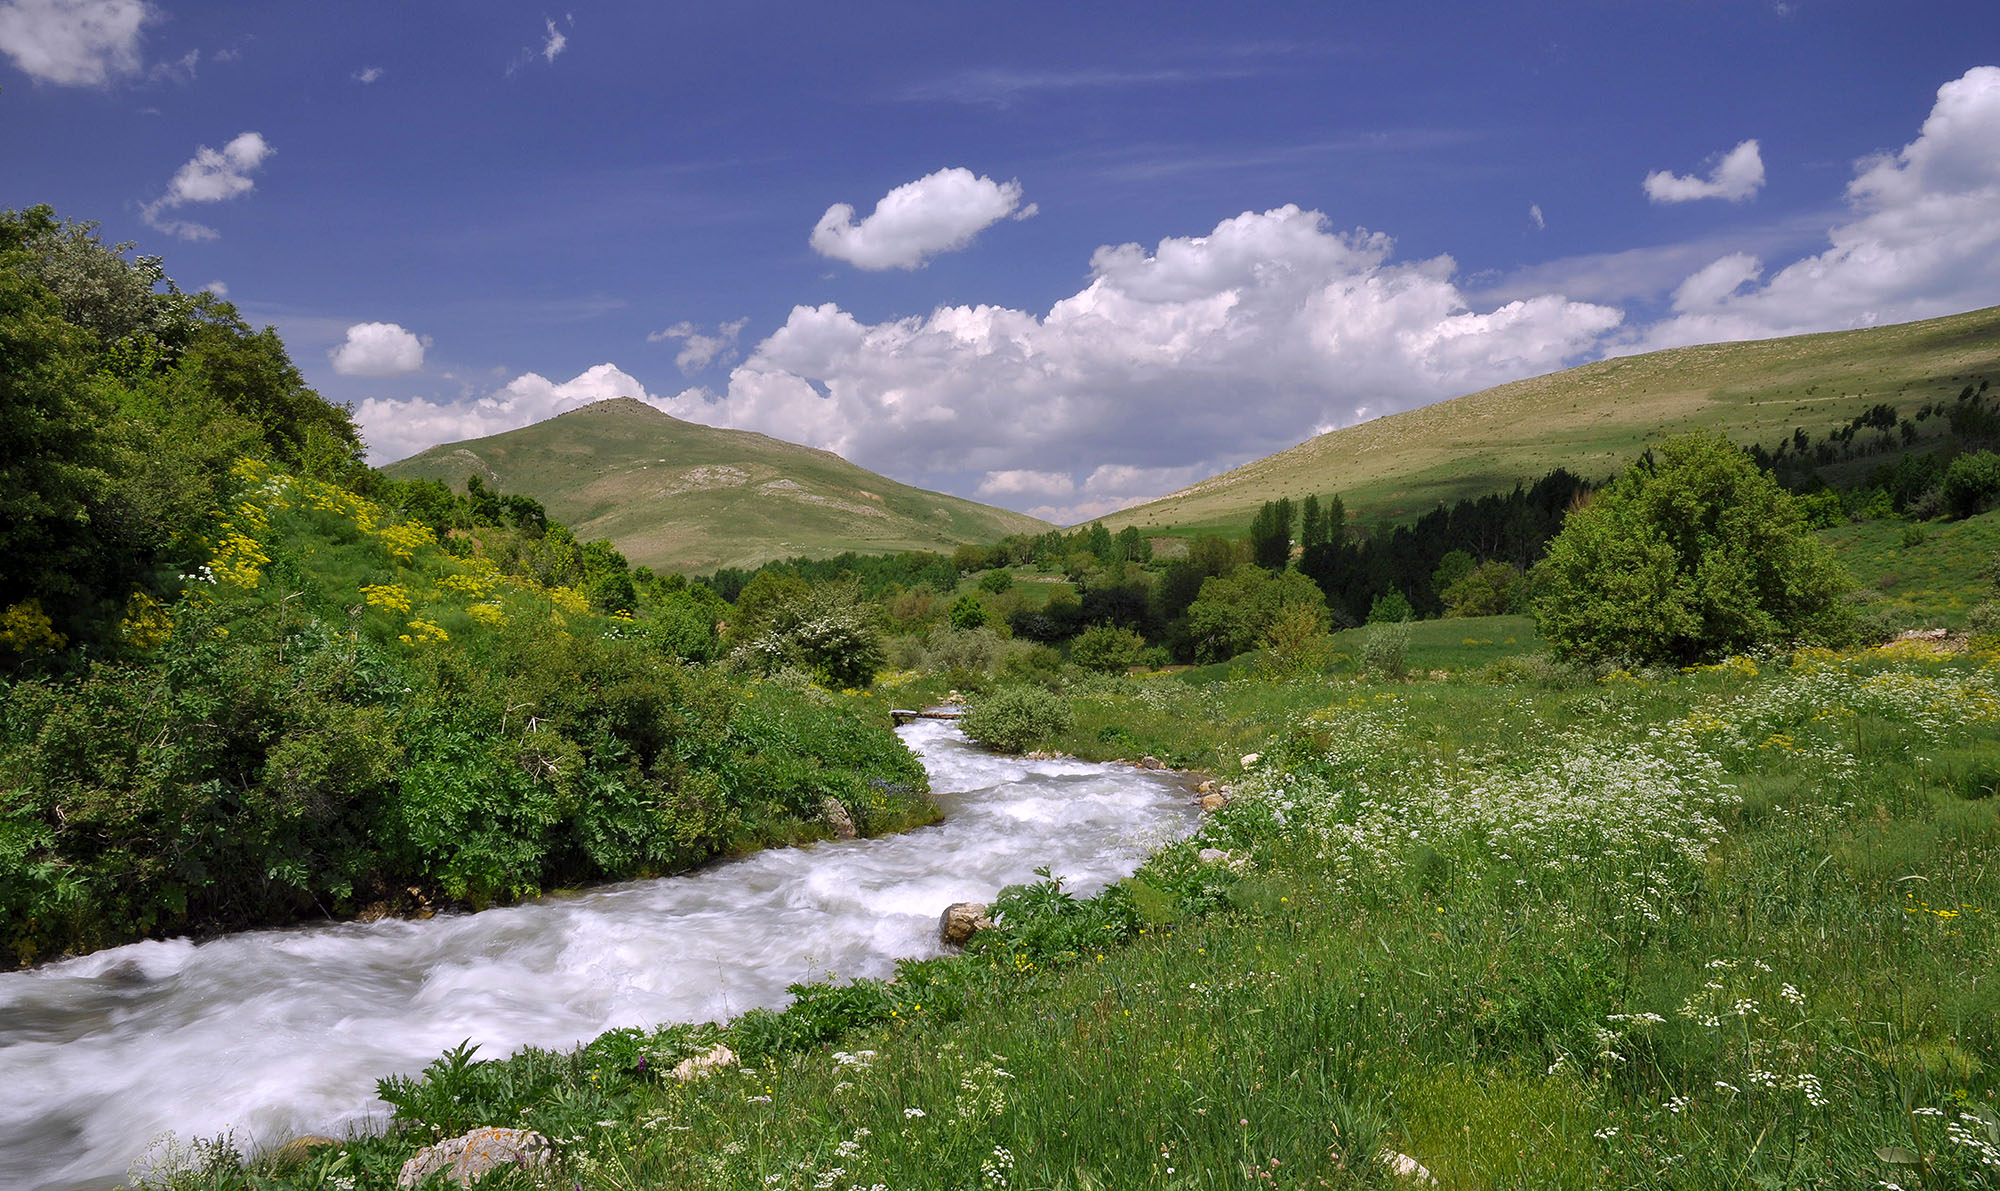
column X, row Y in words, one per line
column 680, row 496
column 1594, row 420
column 1927, row 574
column 1723, row 928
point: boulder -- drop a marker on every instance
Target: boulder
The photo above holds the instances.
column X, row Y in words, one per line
column 1249, row 760
column 1207, row 787
column 718, row 1057
column 836, row 814
column 1150, row 763
column 1212, row 856
column 467, row 1159
column 960, row 921
column 1211, row 803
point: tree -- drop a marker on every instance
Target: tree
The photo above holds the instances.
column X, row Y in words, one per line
column 1235, row 612
column 1271, row 534
column 967, row 612
column 1692, row 554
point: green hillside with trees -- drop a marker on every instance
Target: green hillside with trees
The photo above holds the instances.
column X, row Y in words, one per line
column 677, row 495
column 1592, row 419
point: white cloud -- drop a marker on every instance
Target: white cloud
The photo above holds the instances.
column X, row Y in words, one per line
column 557, row 40
column 1736, row 177
column 368, row 74
column 399, row 427
column 1169, row 364
column 219, row 288
column 553, row 43
column 939, row 212
column 211, row 176
column 1535, row 213
column 698, row 350
column 378, row 349
column 74, row 43
column 1923, row 239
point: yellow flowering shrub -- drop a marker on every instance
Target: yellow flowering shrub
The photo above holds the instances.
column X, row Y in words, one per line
column 490, row 615
column 147, row 624
column 392, row 596
column 26, row 629
column 423, row 632
column 403, row 541
column 569, row 600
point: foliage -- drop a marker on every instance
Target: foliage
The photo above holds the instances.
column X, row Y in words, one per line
column 1689, row 556
column 829, row 632
column 1385, row 650
column 967, row 612
column 1391, row 607
column 1971, row 484
column 1107, row 649
column 1234, row 612
column 1296, row 642
column 1015, row 718
column 1490, row 589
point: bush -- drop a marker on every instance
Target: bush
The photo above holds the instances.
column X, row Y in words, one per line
column 997, row 581
column 962, row 651
column 1385, row 650
column 1971, row 484
column 1689, row 556
column 1391, row 607
column 1016, row 718
column 1107, row 649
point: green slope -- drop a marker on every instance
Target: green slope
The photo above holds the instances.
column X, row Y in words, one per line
column 680, row 496
column 1594, row 419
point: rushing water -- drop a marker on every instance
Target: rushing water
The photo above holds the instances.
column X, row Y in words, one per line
column 271, row 1034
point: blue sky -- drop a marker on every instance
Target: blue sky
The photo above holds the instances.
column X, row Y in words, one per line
column 1118, row 247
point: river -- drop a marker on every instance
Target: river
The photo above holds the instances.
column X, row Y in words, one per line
column 271, row 1034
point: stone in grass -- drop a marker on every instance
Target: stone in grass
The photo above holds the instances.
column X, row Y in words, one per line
column 960, row 921
column 1150, row 762
column 1212, row 856
column 1403, row 1166
column 467, row 1159
column 718, row 1057
column 1212, row 802
column 1249, row 760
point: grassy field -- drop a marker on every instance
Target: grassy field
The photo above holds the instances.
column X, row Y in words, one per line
column 680, row 496
column 1927, row 574
column 1595, row 419
column 1732, row 927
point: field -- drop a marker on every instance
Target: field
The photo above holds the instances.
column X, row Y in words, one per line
column 1594, row 420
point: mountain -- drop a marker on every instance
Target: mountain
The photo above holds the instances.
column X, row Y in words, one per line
column 1595, row 419
column 681, row 496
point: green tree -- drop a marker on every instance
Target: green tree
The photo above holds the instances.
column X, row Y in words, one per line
column 1107, row 649
column 1234, row 612
column 1488, row 590
column 1692, row 554
column 967, row 612
column 1271, row 534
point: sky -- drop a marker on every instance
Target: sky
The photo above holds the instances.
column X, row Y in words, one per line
column 1059, row 257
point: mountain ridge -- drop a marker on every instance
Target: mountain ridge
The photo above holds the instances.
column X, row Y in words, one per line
column 679, row 495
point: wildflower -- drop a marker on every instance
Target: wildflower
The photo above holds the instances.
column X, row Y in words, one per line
column 912, row 1113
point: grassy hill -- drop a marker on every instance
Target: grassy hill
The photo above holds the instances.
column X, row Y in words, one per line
column 1594, row 419
column 680, row 496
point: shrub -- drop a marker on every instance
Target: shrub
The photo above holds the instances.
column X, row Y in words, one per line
column 967, row 612
column 1385, row 650
column 1108, row 649
column 1391, row 607
column 962, row 651
column 1971, row 483
column 1297, row 644
column 997, row 581
column 1690, row 555
column 1015, row 718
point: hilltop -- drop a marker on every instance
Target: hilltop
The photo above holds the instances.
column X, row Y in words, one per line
column 1594, row 419
column 677, row 495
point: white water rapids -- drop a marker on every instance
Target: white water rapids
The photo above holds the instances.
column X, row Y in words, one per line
column 272, row 1034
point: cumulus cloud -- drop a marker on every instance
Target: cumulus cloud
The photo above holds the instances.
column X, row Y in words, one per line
column 74, row 43
column 1736, row 177
column 1535, row 214
column 1922, row 239
column 219, row 288
column 939, row 212
column 554, row 44
column 399, row 427
column 1171, row 363
column 368, row 74
column 211, row 176
column 699, row 350
column 378, row 349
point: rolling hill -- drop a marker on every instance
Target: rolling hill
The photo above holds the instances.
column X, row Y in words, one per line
column 681, row 496
column 1595, row 419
